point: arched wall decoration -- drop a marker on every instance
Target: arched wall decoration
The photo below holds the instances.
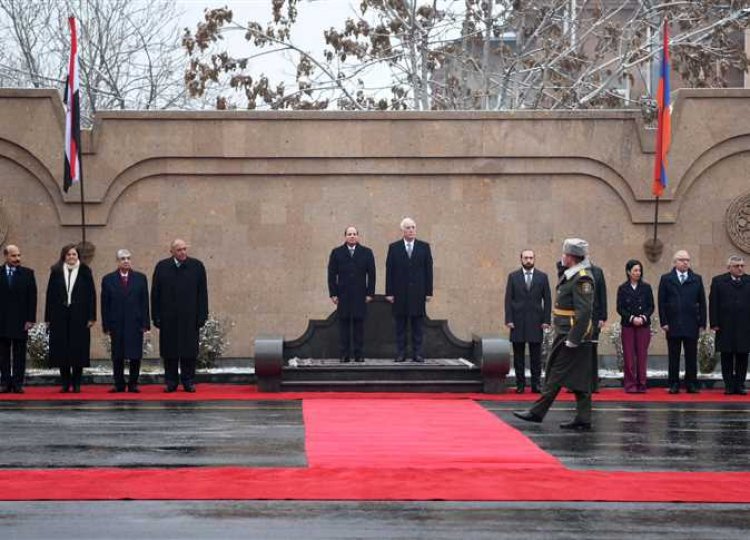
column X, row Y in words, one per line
column 4, row 224
column 737, row 222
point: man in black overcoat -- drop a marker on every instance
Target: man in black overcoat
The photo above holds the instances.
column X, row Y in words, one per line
column 729, row 309
column 179, row 308
column 125, row 318
column 682, row 315
column 408, row 285
column 598, row 320
column 528, row 308
column 351, row 286
column 17, row 315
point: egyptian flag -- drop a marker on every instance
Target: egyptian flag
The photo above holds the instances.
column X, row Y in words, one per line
column 73, row 172
column 664, row 125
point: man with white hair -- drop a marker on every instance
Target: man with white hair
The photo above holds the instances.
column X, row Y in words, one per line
column 125, row 318
column 729, row 309
column 569, row 361
column 408, row 285
column 682, row 315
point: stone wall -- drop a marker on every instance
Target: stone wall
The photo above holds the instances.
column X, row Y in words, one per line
column 263, row 197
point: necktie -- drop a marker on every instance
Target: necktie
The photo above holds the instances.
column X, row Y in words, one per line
column 409, row 248
column 351, row 252
column 10, row 274
column 124, row 280
column 528, row 281
column 682, row 279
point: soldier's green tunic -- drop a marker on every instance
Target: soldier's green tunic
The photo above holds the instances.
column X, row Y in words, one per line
column 570, row 365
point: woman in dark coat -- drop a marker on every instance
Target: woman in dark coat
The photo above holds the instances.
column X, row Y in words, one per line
column 635, row 304
column 70, row 312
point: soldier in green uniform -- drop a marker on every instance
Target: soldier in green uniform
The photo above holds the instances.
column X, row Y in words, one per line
column 569, row 361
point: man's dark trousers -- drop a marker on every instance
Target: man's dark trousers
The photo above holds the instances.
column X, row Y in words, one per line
column 351, row 332
column 179, row 369
column 690, row 345
column 535, row 361
column 417, row 323
column 12, row 378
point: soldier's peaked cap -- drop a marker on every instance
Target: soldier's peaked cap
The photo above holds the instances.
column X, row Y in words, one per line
column 576, row 246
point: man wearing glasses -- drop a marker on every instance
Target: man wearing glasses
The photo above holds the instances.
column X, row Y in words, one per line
column 729, row 309
column 682, row 312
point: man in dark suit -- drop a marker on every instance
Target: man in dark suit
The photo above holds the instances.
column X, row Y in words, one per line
column 125, row 318
column 408, row 285
column 17, row 315
column 598, row 320
column 528, row 311
column 729, row 308
column 351, row 286
column 682, row 314
column 179, row 308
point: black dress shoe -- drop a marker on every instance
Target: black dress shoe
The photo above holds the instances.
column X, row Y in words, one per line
column 728, row 391
column 519, row 389
column 345, row 360
column 76, row 389
column 575, row 425
column 170, row 389
column 18, row 390
column 133, row 388
column 4, row 389
column 740, row 391
column 359, row 359
column 535, row 390
column 64, row 389
column 419, row 359
column 189, row 388
column 692, row 389
column 400, row 359
column 527, row 416
column 116, row 390
column 674, row 389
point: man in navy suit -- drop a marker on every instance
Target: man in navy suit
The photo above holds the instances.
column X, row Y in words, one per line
column 682, row 315
column 125, row 318
column 408, row 285
column 528, row 312
column 17, row 315
column 351, row 286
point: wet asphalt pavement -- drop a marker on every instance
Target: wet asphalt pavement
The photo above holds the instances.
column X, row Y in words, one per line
column 632, row 436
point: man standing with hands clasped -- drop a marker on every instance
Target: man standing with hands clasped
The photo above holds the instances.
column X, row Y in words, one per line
column 408, row 285
column 527, row 315
column 682, row 315
column 125, row 318
column 570, row 360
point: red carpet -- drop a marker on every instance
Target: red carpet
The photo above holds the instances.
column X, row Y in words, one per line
column 415, row 434
column 367, row 448
column 239, row 392
column 322, row 483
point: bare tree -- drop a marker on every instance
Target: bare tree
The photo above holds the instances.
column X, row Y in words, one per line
column 474, row 54
column 129, row 52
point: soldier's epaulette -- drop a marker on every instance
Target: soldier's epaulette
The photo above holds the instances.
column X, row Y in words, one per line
column 582, row 272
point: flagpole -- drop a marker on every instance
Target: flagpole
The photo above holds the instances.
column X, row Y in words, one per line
column 83, row 216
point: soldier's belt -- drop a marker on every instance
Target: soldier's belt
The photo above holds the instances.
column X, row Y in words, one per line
column 563, row 312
